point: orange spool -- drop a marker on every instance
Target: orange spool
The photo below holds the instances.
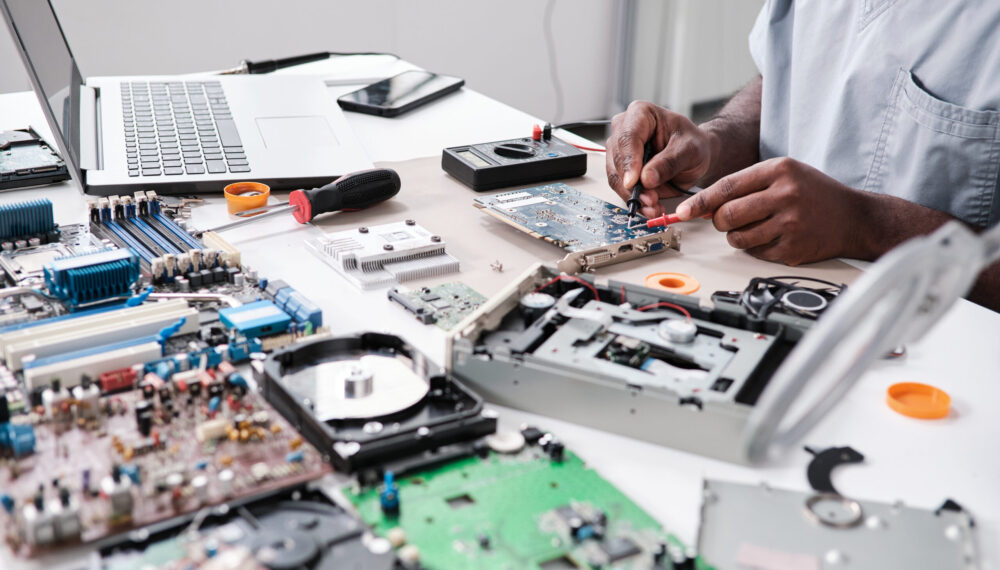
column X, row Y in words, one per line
column 243, row 196
column 673, row 282
column 917, row 400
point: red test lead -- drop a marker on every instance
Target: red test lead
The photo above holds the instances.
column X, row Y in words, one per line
column 664, row 220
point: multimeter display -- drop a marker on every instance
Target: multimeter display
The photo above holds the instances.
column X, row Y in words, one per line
column 499, row 164
column 473, row 158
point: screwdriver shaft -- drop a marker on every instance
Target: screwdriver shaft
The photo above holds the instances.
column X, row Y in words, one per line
column 243, row 222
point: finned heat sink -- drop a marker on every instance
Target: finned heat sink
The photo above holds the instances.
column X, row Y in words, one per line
column 380, row 256
column 30, row 219
column 86, row 278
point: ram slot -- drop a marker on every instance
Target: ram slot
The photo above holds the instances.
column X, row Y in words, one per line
column 141, row 228
column 174, row 236
column 178, row 231
column 159, row 247
column 126, row 239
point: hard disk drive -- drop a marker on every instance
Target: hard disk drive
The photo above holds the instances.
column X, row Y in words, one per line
column 369, row 398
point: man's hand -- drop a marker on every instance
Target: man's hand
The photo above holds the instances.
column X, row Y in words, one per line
column 683, row 154
column 784, row 210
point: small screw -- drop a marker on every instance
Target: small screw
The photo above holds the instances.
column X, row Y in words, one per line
column 411, row 223
column 435, row 239
column 363, row 229
column 387, row 247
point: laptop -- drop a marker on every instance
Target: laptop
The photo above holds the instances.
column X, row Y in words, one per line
column 180, row 135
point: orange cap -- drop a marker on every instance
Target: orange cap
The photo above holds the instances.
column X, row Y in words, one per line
column 918, row 400
column 674, row 282
column 242, row 196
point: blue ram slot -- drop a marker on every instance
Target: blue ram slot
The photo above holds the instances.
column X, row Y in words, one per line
column 179, row 231
column 92, row 277
column 26, row 218
column 84, row 352
column 154, row 235
column 131, row 242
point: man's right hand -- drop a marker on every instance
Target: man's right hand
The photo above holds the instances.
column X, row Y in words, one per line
column 683, row 154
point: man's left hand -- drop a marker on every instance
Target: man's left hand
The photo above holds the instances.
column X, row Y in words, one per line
column 783, row 210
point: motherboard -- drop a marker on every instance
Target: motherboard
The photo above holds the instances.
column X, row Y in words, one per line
column 595, row 233
column 120, row 401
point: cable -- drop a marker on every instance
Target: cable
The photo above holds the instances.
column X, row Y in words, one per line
column 550, row 45
column 667, row 305
column 573, row 278
column 268, row 65
column 578, row 124
column 592, row 149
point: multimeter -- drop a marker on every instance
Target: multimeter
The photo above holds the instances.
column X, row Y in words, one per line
column 499, row 164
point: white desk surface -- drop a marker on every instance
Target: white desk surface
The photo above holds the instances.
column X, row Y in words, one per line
column 918, row 462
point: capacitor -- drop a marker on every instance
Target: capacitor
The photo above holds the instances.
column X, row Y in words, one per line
column 294, row 457
column 144, row 416
column 534, row 305
column 226, row 482
column 183, row 284
column 239, row 281
column 214, row 403
column 199, row 484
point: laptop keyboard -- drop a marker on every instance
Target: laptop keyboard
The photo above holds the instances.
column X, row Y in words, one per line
column 178, row 127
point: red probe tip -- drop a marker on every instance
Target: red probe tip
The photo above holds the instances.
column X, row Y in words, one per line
column 536, row 132
column 664, row 220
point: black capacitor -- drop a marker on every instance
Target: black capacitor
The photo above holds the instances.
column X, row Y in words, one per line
column 215, row 389
column 556, row 450
column 194, row 388
column 144, row 417
column 148, row 390
column 165, row 395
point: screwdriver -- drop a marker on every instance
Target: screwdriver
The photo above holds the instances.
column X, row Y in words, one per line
column 350, row 193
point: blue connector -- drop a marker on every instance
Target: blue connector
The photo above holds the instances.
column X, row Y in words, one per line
column 389, row 496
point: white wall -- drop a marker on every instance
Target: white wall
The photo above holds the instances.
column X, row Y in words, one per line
column 498, row 47
column 691, row 51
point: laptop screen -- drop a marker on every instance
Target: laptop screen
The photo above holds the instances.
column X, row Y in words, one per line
column 50, row 63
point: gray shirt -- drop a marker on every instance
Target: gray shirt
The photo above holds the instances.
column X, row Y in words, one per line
column 892, row 96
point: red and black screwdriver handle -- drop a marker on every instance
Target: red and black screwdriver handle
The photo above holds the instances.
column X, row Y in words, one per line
column 349, row 193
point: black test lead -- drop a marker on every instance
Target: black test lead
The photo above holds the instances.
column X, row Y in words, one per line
column 633, row 203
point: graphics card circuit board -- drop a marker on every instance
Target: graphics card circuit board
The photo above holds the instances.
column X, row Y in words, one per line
column 594, row 232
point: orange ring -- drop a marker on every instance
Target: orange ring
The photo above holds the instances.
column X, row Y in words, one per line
column 673, row 282
column 917, row 400
column 242, row 196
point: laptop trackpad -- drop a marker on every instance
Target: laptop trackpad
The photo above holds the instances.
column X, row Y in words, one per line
column 285, row 132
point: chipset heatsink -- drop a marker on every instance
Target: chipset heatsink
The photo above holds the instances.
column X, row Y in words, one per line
column 381, row 256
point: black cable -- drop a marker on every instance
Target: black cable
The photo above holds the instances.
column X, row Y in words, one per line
column 578, row 124
column 269, row 65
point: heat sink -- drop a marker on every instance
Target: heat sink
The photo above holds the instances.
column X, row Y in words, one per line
column 92, row 277
column 381, row 256
column 25, row 220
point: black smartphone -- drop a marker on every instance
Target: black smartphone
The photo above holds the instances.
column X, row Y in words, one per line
column 400, row 93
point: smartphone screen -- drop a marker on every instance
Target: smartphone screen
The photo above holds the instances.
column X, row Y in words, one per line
column 401, row 90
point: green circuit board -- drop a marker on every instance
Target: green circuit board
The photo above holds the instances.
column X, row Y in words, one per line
column 517, row 511
column 444, row 305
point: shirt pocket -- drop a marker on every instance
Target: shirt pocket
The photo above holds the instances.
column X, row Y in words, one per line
column 937, row 154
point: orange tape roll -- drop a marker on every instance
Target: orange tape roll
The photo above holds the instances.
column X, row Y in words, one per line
column 243, row 196
column 674, row 282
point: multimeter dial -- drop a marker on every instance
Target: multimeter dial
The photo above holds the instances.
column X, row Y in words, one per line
column 514, row 150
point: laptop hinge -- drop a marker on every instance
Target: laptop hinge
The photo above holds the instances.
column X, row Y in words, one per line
column 91, row 155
